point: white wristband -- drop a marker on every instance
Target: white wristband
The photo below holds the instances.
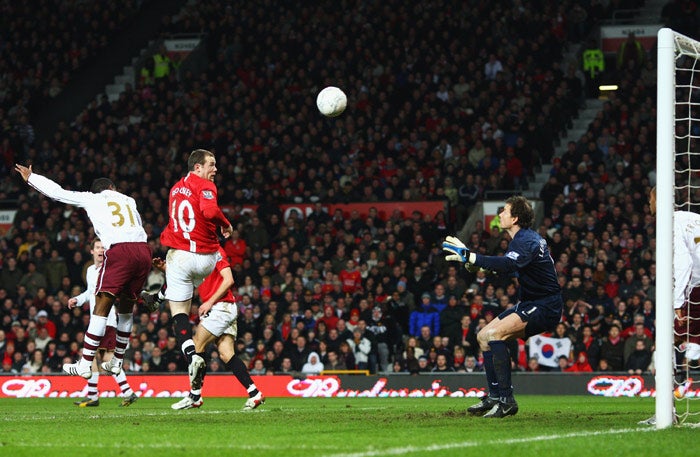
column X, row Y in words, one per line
column 472, row 257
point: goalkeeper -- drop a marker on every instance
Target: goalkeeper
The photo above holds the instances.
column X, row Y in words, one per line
column 539, row 308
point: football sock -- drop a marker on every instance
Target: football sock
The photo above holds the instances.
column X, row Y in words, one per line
column 188, row 349
column 240, row 371
column 491, row 379
column 93, row 336
column 501, row 367
column 183, row 332
column 123, row 383
column 92, row 385
column 124, row 324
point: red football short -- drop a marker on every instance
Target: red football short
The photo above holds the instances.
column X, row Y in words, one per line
column 125, row 269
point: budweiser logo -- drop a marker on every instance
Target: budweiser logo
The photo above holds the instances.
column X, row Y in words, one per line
column 617, row 386
column 331, row 387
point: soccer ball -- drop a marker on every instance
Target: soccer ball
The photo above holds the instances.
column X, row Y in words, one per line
column 331, row 101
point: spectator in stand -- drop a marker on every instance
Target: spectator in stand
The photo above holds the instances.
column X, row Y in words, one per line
column 313, row 365
column 451, row 320
column 235, row 248
column 442, row 365
column 562, row 364
column 360, row 347
column 629, row 285
column 44, row 322
column 631, row 55
column 581, row 364
column 639, row 360
column 425, row 316
column 33, row 280
column 10, row 275
column 351, row 278
column 612, row 349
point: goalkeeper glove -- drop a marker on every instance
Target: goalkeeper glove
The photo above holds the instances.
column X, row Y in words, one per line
column 455, row 250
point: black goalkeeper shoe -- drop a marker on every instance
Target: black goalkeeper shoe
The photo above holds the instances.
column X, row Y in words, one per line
column 484, row 406
column 503, row 409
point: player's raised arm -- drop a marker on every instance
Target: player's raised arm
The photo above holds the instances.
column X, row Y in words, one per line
column 50, row 188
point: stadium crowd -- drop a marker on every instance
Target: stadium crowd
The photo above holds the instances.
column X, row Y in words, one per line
column 435, row 115
column 43, row 44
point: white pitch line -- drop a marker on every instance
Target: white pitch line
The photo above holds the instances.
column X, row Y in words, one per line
column 466, row 444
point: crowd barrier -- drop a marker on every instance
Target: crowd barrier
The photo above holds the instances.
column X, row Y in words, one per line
column 343, row 386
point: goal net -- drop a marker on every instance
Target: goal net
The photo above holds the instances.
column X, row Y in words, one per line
column 678, row 189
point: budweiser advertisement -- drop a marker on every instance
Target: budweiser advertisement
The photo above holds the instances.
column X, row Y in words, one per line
column 426, row 385
column 225, row 386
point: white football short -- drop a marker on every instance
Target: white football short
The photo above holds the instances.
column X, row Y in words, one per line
column 185, row 271
column 692, row 351
column 221, row 319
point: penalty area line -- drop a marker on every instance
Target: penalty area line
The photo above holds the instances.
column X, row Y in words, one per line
column 467, row 444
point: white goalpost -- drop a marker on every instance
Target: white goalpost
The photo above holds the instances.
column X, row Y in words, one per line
column 677, row 188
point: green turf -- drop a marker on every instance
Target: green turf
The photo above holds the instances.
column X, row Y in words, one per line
column 561, row 426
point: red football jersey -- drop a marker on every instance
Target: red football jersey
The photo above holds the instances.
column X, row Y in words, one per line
column 352, row 280
column 212, row 282
column 194, row 216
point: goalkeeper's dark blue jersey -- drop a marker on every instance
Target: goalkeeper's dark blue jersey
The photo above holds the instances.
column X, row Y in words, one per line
column 529, row 257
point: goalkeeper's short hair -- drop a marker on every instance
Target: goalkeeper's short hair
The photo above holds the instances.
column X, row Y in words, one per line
column 522, row 209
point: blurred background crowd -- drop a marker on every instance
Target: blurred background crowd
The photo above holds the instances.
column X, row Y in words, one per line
column 448, row 101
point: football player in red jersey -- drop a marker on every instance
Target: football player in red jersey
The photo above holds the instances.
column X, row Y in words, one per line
column 192, row 236
column 218, row 313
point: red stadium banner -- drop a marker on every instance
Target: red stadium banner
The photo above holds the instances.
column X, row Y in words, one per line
column 59, row 386
column 384, row 210
column 400, row 386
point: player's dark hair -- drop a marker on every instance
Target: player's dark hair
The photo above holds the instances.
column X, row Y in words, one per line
column 101, row 184
column 198, row 156
column 521, row 208
column 92, row 243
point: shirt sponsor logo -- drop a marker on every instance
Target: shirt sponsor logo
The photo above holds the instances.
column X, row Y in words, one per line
column 512, row 255
column 208, row 194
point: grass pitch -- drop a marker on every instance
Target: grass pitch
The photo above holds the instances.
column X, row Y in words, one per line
column 336, row 427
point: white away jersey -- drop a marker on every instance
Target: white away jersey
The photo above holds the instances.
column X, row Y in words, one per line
column 89, row 295
column 686, row 254
column 113, row 215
